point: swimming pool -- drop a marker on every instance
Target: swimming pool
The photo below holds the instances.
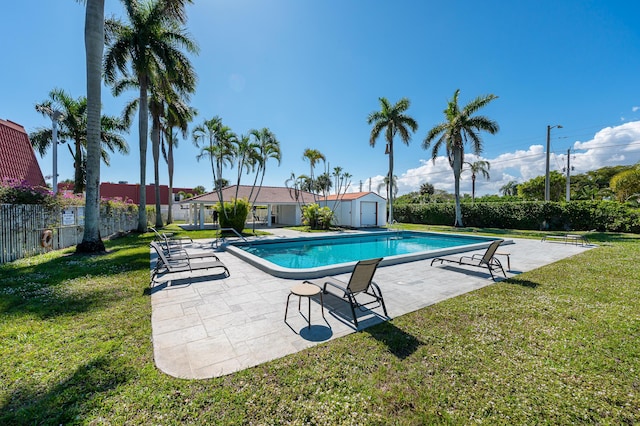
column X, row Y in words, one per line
column 313, row 257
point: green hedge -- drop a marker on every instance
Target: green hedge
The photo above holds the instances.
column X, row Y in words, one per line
column 575, row 215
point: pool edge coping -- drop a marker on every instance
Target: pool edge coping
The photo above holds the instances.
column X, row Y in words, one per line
column 342, row 268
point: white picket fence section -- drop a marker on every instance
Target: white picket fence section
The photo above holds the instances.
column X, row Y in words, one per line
column 29, row 229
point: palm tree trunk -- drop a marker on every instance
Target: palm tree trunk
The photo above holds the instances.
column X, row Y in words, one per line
column 143, row 128
column 457, row 170
column 473, row 188
column 155, row 149
column 78, row 181
column 390, row 183
column 170, row 168
column 94, row 45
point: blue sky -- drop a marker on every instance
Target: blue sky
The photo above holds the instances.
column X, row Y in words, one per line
column 312, row 71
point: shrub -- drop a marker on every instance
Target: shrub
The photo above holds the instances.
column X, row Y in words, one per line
column 317, row 217
column 234, row 215
column 13, row 191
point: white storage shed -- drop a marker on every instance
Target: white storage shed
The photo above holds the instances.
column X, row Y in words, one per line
column 357, row 209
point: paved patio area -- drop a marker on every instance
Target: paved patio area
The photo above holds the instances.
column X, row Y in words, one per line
column 214, row 325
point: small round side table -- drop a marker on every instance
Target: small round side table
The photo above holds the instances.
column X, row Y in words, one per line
column 308, row 291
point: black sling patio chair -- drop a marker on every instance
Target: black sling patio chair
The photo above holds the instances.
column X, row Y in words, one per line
column 170, row 265
column 359, row 283
column 168, row 239
column 486, row 260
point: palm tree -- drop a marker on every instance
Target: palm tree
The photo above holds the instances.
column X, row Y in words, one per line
column 94, row 45
column 167, row 90
column 215, row 139
column 510, row 188
column 393, row 120
column 460, row 127
column 427, row 189
column 324, row 184
column 478, row 167
column 148, row 45
column 313, row 156
column 337, row 174
column 390, row 191
column 247, row 156
column 343, row 180
column 269, row 147
column 74, row 128
column 178, row 115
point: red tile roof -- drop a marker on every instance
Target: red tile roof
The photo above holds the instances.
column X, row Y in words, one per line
column 17, row 159
column 351, row 196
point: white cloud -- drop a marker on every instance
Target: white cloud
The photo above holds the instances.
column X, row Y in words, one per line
column 635, row 108
column 610, row 146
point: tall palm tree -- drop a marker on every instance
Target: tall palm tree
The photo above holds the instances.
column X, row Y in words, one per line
column 149, row 43
column 342, row 179
column 94, row 45
column 178, row 115
column 247, row 155
column 269, row 147
column 392, row 120
column 459, row 127
column 166, row 90
column 214, row 139
column 74, row 128
column 337, row 174
column 313, row 156
column 478, row 167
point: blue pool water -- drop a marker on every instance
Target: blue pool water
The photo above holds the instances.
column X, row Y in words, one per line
column 322, row 254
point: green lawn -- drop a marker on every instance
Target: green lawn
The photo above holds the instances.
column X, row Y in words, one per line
column 557, row 345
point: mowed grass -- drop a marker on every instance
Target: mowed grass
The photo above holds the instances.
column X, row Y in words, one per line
column 557, row 345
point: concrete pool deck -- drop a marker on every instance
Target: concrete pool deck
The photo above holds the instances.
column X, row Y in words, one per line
column 214, row 325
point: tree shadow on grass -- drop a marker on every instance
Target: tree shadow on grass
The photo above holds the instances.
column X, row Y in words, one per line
column 399, row 342
column 522, row 283
column 67, row 401
column 64, row 283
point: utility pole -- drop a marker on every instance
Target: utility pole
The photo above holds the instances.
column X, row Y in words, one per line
column 568, row 195
column 547, row 185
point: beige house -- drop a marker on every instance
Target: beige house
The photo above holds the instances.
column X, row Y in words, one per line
column 274, row 205
column 278, row 206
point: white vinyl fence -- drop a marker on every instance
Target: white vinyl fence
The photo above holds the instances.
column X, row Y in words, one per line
column 30, row 229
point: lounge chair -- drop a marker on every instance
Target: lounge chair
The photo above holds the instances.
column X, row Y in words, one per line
column 486, row 260
column 172, row 265
column 360, row 282
column 568, row 238
column 177, row 253
column 168, row 239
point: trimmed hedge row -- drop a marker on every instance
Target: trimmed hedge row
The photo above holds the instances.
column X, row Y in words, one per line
column 576, row 215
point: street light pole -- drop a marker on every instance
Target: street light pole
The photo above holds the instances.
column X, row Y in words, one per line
column 547, row 186
column 54, row 124
column 55, row 116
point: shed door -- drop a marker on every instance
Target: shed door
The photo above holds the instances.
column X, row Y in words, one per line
column 368, row 213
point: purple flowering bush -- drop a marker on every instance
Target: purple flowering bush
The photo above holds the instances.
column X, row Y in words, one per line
column 13, row 191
